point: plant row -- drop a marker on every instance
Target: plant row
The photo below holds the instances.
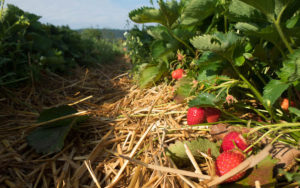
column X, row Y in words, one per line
column 240, row 56
column 28, row 46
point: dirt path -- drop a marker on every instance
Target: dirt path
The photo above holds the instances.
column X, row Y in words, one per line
column 123, row 120
column 99, row 87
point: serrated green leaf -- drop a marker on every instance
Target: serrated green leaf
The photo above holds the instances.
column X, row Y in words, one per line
column 290, row 176
column 184, row 87
column 292, row 22
column 206, row 100
column 295, row 111
column 171, row 11
column 159, row 49
column 267, row 7
column 262, row 172
column 194, row 8
column 158, row 33
column 151, row 74
column 273, row 90
column 177, row 151
column 290, row 71
column 240, row 11
column 50, row 137
column 210, row 65
column 146, row 15
column 239, row 61
column 224, row 44
column 267, row 32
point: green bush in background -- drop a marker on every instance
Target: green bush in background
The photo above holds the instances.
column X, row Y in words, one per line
column 27, row 46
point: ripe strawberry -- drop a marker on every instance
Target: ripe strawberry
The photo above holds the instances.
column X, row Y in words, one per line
column 195, row 116
column 227, row 161
column 212, row 114
column 234, row 138
column 177, row 74
column 285, row 104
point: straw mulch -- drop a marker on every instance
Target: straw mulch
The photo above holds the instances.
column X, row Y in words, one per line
column 125, row 120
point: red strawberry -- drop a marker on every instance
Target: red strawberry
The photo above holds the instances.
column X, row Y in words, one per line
column 285, row 104
column 229, row 160
column 195, row 116
column 237, row 138
column 212, row 114
column 177, row 74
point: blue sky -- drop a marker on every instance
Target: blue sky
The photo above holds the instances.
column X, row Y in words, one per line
column 82, row 13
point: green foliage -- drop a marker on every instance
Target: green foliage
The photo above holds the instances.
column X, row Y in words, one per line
column 194, row 8
column 206, row 100
column 273, row 90
column 184, row 87
column 177, row 150
column 227, row 45
column 138, row 44
column 50, row 137
column 27, row 46
column 149, row 74
column 291, row 176
column 245, row 48
column 146, row 15
column 290, row 72
column 91, row 33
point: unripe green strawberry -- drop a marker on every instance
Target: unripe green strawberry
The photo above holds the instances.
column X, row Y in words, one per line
column 233, row 139
column 177, row 74
column 227, row 161
column 212, row 114
column 195, row 115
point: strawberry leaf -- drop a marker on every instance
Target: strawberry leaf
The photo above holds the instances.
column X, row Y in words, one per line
column 184, row 87
column 177, row 151
column 295, row 111
column 227, row 45
column 194, row 8
column 50, row 137
column 273, row 90
column 146, row 15
column 268, row 33
column 290, row 71
column 151, row 74
column 240, row 11
column 206, row 100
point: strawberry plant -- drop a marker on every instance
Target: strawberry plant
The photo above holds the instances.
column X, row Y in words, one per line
column 27, row 47
column 240, row 56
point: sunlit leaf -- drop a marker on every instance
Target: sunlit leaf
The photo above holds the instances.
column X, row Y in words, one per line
column 224, row 44
column 273, row 90
column 177, row 151
column 194, row 8
column 290, row 71
column 206, row 100
column 240, row 11
column 151, row 74
column 268, row 33
column 146, row 15
column 295, row 111
column 184, row 87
